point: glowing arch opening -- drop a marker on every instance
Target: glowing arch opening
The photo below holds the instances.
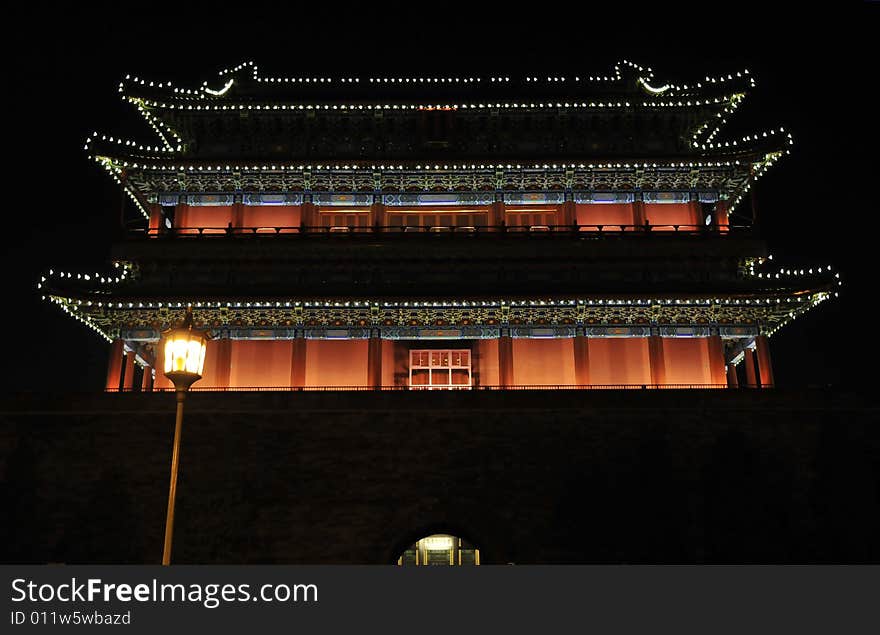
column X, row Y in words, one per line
column 440, row 550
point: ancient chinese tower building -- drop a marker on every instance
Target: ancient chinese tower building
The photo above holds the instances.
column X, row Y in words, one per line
column 443, row 233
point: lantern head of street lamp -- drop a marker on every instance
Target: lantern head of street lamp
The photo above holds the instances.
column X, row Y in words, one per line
column 185, row 353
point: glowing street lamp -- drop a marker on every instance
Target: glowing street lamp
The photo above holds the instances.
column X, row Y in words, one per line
column 184, row 360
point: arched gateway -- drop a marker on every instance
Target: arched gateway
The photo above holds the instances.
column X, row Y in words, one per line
column 440, row 550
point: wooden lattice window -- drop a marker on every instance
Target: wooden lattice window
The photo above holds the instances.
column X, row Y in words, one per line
column 440, row 369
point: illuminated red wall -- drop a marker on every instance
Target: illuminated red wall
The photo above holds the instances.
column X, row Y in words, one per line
column 388, row 350
column 210, row 376
column 336, row 363
column 619, row 360
column 604, row 214
column 536, row 362
column 160, row 381
column 266, row 217
column 400, row 360
column 670, row 214
column 527, row 215
column 156, row 221
column 260, row 363
column 543, row 362
column 687, row 360
column 486, row 362
column 217, row 217
column 445, row 215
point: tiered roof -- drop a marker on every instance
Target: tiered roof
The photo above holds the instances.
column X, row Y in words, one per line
column 245, row 135
column 625, row 131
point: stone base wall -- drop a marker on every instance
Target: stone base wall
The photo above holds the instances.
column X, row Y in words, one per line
column 528, row 476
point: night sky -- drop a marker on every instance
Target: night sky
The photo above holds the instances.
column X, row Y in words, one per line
column 816, row 75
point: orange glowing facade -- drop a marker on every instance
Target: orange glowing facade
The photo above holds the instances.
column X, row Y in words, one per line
column 443, row 234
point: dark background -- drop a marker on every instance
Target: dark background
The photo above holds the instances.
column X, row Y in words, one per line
column 816, row 72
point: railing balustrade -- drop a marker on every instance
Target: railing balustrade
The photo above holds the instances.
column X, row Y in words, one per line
column 582, row 231
column 397, row 388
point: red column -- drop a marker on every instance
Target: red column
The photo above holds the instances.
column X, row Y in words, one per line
column 658, row 360
column 128, row 376
column 147, row 380
column 505, row 360
column 238, row 214
column 696, row 215
column 749, row 361
column 114, row 366
column 638, row 213
column 765, row 368
column 298, row 363
column 308, row 215
column 224, row 362
column 567, row 214
column 732, row 379
column 156, row 220
column 717, row 370
column 722, row 221
column 160, row 381
column 582, row 360
column 496, row 214
column 181, row 215
column 374, row 362
column 377, row 215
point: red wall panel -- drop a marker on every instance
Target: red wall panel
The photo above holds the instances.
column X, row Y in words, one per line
column 669, row 214
column 267, row 217
column 687, row 360
column 336, row 363
column 211, row 370
column 619, row 360
column 606, row 214
column 543, row 362
column 161, row 382
column 486, row 361
column 260, row 363
column 217, row 218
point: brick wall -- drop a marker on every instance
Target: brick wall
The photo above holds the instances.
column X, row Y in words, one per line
column 530, row 477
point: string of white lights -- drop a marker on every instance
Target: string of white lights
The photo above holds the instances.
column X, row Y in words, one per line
column 232, row 167
column 497, row 105
column 73, row 306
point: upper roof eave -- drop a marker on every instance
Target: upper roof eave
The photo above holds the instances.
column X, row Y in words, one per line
column 245, row 84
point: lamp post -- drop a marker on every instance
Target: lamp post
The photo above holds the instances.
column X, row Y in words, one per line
column 184, row 361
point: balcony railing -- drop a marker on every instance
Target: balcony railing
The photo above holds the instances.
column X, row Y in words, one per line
column 395, row 388
column 582, row 231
